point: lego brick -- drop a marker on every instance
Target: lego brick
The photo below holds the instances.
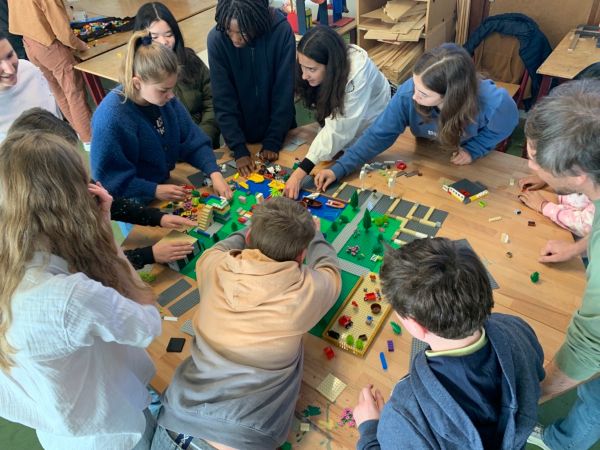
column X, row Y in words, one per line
column 186, row 303
column 363, row 196
column 406, row 237
column 197, row 178
column 365, row 321
column 383, row 204
column 402, row 208
column 347, row 192
column 421, row 228
column 331, row 387
column 187, row 328
column 421, row 211
column 462, row 243
column 173, row 291
column 352, row 268
column 219, row 154
column 438, row 216
column 229, row 171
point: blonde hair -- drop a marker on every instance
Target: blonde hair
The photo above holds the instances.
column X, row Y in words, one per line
column 45, row 206
column 147, row 60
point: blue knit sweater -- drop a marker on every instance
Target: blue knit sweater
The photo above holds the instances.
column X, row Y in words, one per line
column 130, row 158
column 497, row 118
column 427, row 409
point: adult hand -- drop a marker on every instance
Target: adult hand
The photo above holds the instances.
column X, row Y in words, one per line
column 559, row 251
column 461, row 157
column 292, row 185
column 369, row 405
column 165, row 252
column 532, row 199
column 324, row 178
column 220, row 186
column 531, row 183
column 102, row 196
column 268, row 155
column 177, row 222
column 81, row 46
column 170, row 192
column 245, row 165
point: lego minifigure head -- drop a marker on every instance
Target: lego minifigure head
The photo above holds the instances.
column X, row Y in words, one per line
column 281, row 229
column 442, row 287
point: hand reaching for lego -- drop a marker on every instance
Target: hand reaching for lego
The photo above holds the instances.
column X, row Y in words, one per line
column 220, row 186
column 533, row 200
column 324, row 178
column 461, row 157
column 531, row 183
column 245, row 165
column 103, row 197
column 559, row 251
column 292, row 185
column 268, row 155
column 165, row 252
column 176, row 222
column 369, row 405
column 170, row 192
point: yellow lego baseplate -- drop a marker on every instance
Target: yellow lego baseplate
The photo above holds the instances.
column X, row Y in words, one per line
column 359, row 314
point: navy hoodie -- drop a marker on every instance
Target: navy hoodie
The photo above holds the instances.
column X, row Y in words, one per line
column 253, row 87
column 480, row 401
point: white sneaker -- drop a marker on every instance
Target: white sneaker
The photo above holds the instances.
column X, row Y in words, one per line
column 537, row 437
column 87, row 146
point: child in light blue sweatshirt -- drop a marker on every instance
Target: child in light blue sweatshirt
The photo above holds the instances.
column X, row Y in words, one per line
column 443, row 101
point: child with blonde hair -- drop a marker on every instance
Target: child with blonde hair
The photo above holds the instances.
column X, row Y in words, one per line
column 141, row 130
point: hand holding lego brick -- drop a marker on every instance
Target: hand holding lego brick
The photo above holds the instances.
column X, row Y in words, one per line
column 176, row 222
column 369, row 405
column 531, row 183
column 170, row 192
column 533, row 200
column 245, row 165
column 220, row 186
column 461, row 157
column 324, row 178
column 166, row 251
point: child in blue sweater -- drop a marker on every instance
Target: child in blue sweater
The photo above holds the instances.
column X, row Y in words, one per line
column 477, row 386
column 251, row 54
column 141, row 130
column 443, row 101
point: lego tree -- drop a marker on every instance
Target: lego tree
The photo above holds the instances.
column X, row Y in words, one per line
column 334, row 226
column 380, row 237
column 378, row 249
column 344, row 219
column 216, row 238
column 354, row 200
column 234, row 226
column 366, row 220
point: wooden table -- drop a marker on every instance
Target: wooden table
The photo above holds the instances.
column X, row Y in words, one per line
column 566, row 64
column 547, row 306
column 108, row 65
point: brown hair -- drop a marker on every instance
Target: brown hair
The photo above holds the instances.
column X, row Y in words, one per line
column 45, row 206
column 281, row 229
column 148, row 60
column 449, row 70
column 43, row 120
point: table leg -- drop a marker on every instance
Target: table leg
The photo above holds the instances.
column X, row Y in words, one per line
column 544, row 87
column 95, row 87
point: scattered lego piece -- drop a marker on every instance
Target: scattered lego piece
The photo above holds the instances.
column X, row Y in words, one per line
column 494, row 219
column 369, row 320
column 354, row 303
column 311, row 410
column 517, row 211
column 363, row 337
column 347, row 418
column 396, row 328
column 412, row 174
column 170, row 318
column 175, row 345
column 504, row 238
column 350, row 340
column 375, row 308
column 286, row 446
column 390, row 345
column 329, row 353
column 147, row 277
column 400, row 165
column 304, row 427
column 333, row 334
column 326, row 424
column 534, row 277
column 359, row 344
column 345, row 321
column 331, row 387
column 384, row 365
column 509, row 254
column 531, row 223
column 482, row 203
column 511, row 182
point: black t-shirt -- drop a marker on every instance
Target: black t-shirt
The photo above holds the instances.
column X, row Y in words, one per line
column 152, row 112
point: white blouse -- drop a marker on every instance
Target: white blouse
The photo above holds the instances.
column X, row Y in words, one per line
column 80, row 370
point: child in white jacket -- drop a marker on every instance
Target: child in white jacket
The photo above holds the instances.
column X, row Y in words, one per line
column 345, row 90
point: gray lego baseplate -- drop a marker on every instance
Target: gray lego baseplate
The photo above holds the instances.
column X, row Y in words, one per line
column 185, row 304
column 421, row 228
column 383, row 204
column 402, row 208
column 173, row 291
column 188, row 328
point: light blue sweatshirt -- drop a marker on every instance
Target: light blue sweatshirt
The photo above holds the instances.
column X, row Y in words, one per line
column 496, row 119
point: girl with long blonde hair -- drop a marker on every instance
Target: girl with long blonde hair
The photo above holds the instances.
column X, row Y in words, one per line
column 141, row 130
column 74, row 317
